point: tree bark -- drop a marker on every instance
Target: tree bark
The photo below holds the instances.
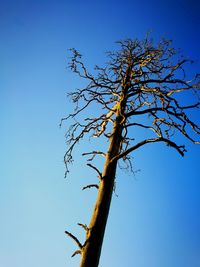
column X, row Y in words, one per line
column 94, row 238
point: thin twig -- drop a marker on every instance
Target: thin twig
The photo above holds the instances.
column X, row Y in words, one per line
column 75, row 239
column 90, row 186
column 76, row 253
column 84, row 226
column 95, row 168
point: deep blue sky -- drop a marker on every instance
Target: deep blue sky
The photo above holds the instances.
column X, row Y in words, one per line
column 155, row 221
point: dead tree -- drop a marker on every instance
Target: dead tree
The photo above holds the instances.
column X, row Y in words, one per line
column 143, row 86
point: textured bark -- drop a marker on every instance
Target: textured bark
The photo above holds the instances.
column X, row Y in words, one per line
column 94, row 238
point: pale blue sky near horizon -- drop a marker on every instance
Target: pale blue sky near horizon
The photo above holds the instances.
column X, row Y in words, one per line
column 155, row 220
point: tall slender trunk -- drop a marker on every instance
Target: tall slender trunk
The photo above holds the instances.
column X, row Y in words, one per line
column 94, row 237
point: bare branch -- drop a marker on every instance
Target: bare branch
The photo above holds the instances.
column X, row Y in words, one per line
column 76, row 253
column 94, row 154
column 142, row 126
column 156, row 109
column 95, row 168
column 90, row 186
column 84, row 226
column 142, row 79
column 75, row 239
column 180, row 149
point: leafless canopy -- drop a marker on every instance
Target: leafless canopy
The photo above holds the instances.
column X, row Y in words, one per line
column 159, row 97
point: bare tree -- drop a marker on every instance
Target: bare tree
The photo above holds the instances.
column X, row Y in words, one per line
column 143, row 86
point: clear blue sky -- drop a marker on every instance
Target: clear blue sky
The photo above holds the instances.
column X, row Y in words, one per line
column 155, row 221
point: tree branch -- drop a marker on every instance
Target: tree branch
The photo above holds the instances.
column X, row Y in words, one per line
column 90, row 186
column 180, row 149
column 153, row 75
column 84, row 226
column 166, row 109
column 75, row 239
column 76, row 253
column 95, row 168
column 93, row 153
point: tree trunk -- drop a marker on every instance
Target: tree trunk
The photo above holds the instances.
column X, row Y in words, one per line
column 94, row 238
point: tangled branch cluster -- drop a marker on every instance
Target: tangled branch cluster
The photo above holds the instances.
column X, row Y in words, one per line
column 156, row 83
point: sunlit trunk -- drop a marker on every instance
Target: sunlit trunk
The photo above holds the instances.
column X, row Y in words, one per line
column 94, row 238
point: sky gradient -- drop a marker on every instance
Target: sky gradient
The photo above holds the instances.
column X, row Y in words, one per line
column 155, row 220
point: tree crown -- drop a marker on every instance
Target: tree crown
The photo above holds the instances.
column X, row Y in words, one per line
column 143, row 85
